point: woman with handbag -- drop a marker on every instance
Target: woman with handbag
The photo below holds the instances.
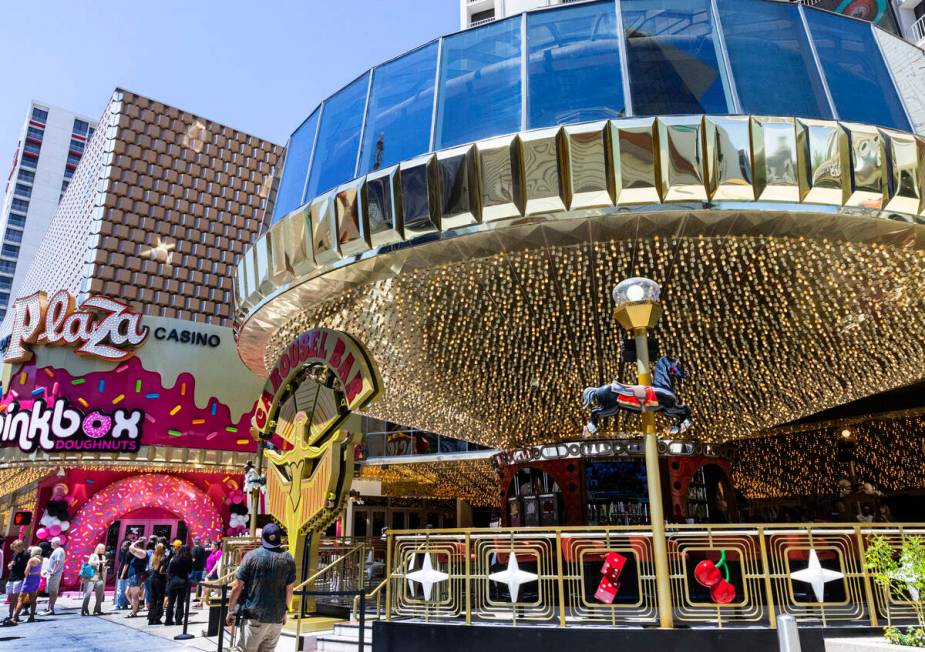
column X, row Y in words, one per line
column 93, row 574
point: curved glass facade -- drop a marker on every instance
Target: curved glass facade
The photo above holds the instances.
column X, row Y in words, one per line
column 593, row 61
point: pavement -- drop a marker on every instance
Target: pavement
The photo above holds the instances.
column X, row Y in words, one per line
column 68, row 631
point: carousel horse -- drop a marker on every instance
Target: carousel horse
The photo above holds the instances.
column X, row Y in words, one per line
column 609, row 399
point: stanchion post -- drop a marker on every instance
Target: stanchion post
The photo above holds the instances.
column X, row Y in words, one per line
column 222, row 609
column 185, row 636
column 362, row 621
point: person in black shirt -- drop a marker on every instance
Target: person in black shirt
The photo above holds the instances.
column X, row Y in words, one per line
column 17, row 573
column 122, row 575
column 199, row 555
column 158, row 584
column 178, row 574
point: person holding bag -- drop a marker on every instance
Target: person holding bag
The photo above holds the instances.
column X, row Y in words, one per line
column 93, row 574
column 136, row 574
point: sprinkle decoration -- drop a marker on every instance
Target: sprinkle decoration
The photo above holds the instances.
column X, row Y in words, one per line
column 22, row 378
column 166, row 408
column 155, row 490
column 174, row 433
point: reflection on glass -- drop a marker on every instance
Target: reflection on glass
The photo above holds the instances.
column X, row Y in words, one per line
column 298, row 153
column 338, row 138
column 771, row 59
column 479, row 84
column 878, row 12
column 400, row 107
column 573, row 66
column 672, row 56
column 858, row 80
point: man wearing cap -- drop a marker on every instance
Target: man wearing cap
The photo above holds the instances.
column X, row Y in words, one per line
column 53, row 575
column 266, row 576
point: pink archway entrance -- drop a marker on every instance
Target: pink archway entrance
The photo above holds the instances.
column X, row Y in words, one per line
column 167, row 492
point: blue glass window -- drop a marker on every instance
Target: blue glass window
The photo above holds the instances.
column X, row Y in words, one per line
column 479, row 84
column 298, row 153
column 771, row 59
column 573, row 66
column 858, row 80
column 671, row 52
column 401, row 104
column 338, row 138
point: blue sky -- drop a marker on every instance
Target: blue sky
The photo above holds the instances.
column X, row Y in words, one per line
column 258, row 65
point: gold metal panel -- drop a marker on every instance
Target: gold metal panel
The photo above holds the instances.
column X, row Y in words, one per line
column 729, row 158
column 291, row 247
column 543, row 156
column 242, row 288
column 906, row 153
column 636, row 165
column 261, row 250
column 324, row 238
column 589, row 178
column 417, row 179
column 774, row 155
column 500, row 181
column 457, row 185
column 381, row 205
column 352, row 231
column 868, row 166
column 681, row 158
column 824, row 162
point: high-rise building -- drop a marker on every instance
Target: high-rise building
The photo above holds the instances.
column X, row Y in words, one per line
column 50, row 146
column 158, row 213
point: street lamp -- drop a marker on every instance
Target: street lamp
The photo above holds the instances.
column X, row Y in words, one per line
column 638, row 310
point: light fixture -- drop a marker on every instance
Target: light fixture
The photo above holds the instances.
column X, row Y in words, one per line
column 846, row 433
column 637, row 303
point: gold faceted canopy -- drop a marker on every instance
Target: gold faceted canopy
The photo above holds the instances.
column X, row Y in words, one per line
column 789, row 254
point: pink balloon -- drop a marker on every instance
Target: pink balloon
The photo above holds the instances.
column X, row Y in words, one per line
column 63, row 540
column 41, row 533
column 54, row 530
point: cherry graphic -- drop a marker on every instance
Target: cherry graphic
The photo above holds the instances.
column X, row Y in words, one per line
column 723, row 592
column 707, row 574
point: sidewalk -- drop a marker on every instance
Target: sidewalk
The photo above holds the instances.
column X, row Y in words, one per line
column 111, row 632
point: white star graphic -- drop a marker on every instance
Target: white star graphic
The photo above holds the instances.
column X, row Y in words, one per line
column 512, row 576
column 816, row 575
column 427, row 576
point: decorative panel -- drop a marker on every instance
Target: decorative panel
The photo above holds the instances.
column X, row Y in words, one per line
column 457, row 185
column 590, row 182
column 544, row 157
column 500, row 183
column 729, row 158
column 774, row 152
column 681, row 158
column 824, row 162
column 635, row 158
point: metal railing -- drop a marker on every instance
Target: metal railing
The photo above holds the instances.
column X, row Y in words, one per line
column 559, row 571
column 483, row 21
column 918, row 29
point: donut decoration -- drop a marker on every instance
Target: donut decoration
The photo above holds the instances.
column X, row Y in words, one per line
column 97, row 425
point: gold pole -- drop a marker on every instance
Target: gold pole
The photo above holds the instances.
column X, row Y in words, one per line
column 653, row 477
column 388, row 574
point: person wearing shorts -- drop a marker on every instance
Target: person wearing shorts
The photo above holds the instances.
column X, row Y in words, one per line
column 54, row 573
column 17, row 574
column 30, row 586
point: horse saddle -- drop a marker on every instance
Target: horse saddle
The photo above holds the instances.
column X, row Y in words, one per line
column 635, row 395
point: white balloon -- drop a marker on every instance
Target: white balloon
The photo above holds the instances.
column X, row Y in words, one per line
column 65, row 525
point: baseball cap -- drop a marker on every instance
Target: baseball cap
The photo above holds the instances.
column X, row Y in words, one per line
column 272, row 536
column 177, row 543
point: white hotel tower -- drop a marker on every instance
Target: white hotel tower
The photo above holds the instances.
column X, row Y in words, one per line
column 49, row 147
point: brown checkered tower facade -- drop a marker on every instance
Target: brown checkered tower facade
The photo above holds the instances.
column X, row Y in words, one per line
column 159, row 211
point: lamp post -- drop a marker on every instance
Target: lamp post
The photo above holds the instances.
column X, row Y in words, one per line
column 638, row 310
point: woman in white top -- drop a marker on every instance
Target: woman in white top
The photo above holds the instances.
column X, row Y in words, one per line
column 97, row 582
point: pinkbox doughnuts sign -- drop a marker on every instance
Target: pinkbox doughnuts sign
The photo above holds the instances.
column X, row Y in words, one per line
column 64, row 428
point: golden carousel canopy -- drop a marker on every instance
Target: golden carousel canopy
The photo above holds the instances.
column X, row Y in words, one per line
column 790, row 255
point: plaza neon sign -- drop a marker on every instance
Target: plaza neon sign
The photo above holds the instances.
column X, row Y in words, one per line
column 64, row 428
column 101, row 328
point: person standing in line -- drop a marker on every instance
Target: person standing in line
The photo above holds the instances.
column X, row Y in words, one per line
column 30, row 585
column 198, row 554
column 268, row 572
column 152, row 543
column 17, row 574
column 121, row 575
column 96, row 583
column 53, row 574
column 213, row 569
column 158, row 584
column 178, row 575
column 135, row 572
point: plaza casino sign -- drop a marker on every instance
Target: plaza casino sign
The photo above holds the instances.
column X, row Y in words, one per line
column 100, row 327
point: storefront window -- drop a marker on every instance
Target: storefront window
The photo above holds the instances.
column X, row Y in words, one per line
column 479, row 84
column 401, row 104
column 298, row 155
column 573, row 66
column 858, row 79
column 672, row 56
column 338, row 138
column 771, row 59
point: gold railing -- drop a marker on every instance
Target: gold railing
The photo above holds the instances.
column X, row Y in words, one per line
column 565, row 570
